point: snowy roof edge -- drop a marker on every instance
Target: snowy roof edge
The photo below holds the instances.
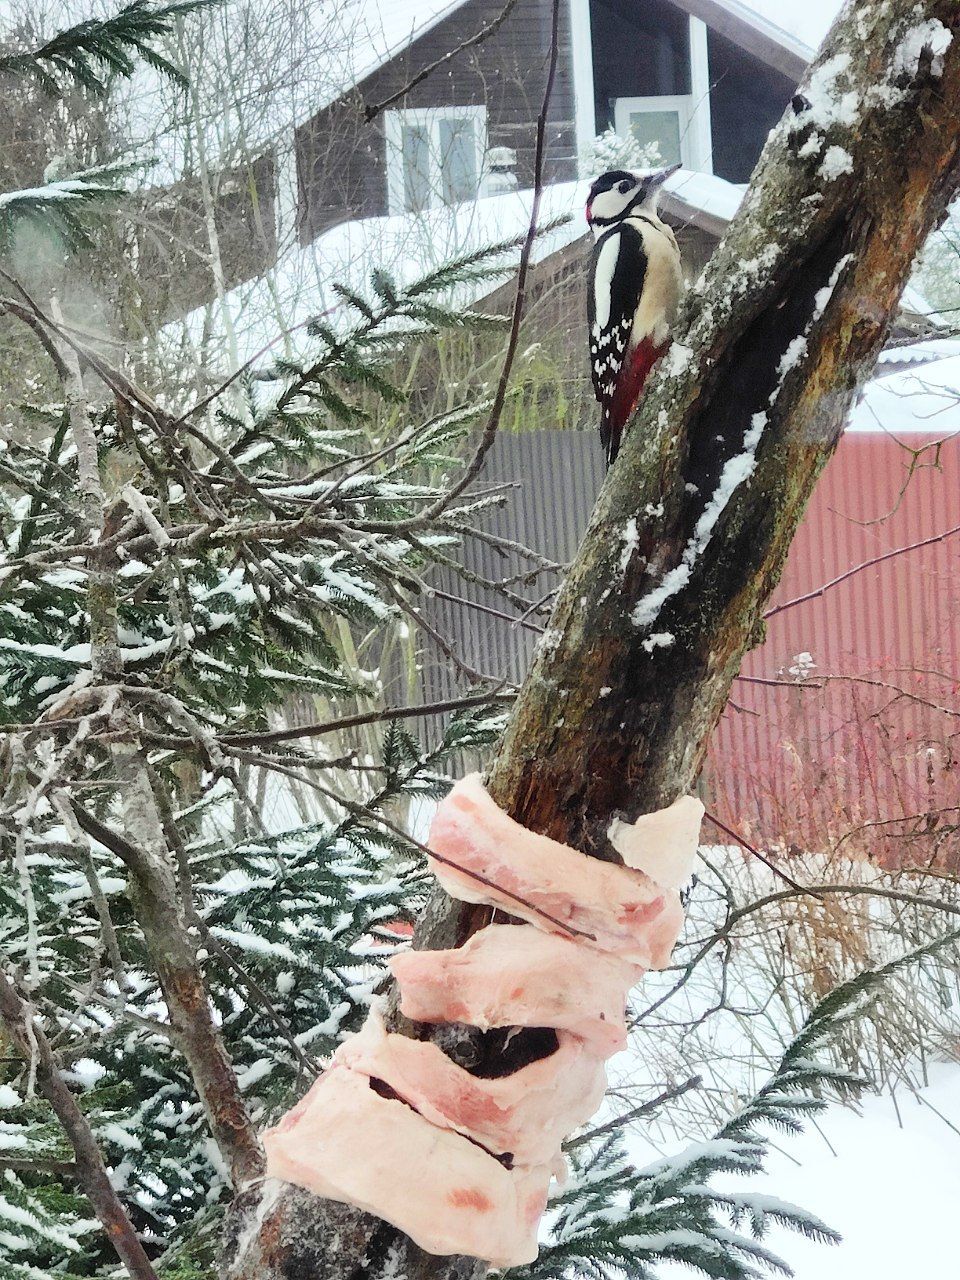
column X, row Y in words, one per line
column 764, row 26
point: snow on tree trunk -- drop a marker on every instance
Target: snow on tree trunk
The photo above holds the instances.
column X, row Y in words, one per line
column 693, row 526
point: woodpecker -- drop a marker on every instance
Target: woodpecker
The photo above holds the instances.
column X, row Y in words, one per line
column 633, row 292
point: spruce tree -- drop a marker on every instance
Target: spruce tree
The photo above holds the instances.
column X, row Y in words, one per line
column 243, row 533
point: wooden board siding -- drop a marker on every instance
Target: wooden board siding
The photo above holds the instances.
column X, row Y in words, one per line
column 341, row 160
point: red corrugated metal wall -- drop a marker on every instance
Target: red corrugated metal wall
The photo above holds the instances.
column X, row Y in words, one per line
column 866, row 758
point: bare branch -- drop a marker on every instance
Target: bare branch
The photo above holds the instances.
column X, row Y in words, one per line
column 635, row 1113
column 32, row 1043
column 367, row 717
column 858, row 568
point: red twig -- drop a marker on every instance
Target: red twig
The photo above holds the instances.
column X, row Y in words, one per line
column 741, row 840
column 858, row 568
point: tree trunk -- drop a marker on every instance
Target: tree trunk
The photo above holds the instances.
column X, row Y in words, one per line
column 693, row 526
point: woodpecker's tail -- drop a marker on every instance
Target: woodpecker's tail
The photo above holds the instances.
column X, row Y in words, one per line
column 611, row 432
column 630, row 384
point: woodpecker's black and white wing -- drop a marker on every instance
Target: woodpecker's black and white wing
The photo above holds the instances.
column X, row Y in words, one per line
column 617, row 272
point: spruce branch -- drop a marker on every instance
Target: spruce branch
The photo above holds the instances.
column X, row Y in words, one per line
column 66, row 206
column 31, row 1041
column 91, row 53
column 614, row 1218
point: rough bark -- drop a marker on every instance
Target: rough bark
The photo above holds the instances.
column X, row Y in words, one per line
column 609, row 720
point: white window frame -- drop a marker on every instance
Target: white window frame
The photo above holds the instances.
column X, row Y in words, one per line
column 700, row 129
column 693, row 108
column 430, row 116
column 581, row 45
column 624, row 108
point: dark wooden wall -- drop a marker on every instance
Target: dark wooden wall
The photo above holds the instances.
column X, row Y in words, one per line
column 747, row 99
column 640, row 49
column 341, row 160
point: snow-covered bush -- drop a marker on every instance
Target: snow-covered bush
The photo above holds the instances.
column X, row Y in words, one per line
column 612, row 150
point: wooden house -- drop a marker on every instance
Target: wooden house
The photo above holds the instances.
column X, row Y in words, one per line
column 704, row 79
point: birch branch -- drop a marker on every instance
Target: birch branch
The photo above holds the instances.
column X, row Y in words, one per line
column 153, row 884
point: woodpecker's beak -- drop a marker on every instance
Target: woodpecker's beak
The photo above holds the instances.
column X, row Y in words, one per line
column 659, row 176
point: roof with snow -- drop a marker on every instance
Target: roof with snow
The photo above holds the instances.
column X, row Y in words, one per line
column 921, row 399
column 798, row 26
column 408, row 245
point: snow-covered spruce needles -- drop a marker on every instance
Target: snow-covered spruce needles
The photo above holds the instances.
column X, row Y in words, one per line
column 615, row 1219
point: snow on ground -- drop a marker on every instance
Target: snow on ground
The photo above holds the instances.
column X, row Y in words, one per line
column 890, row 1186
column 885, row 1179
column 888, row 1180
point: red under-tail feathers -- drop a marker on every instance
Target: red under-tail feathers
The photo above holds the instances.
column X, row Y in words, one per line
column 630, row 383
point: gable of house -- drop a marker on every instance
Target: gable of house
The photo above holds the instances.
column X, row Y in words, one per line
column 705, row 79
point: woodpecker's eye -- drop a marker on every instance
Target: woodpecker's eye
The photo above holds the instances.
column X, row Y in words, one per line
column 624, row 186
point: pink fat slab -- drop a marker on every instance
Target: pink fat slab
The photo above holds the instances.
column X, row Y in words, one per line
column 488, row 858
column 347, row 1143
column 516, row 976
column 527, row 1114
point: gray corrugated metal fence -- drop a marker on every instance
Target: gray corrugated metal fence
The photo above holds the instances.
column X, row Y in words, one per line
column 555, row 477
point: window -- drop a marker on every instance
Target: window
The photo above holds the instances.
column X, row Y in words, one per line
column 434, row 156
column 665, row 121
column 678, row 122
